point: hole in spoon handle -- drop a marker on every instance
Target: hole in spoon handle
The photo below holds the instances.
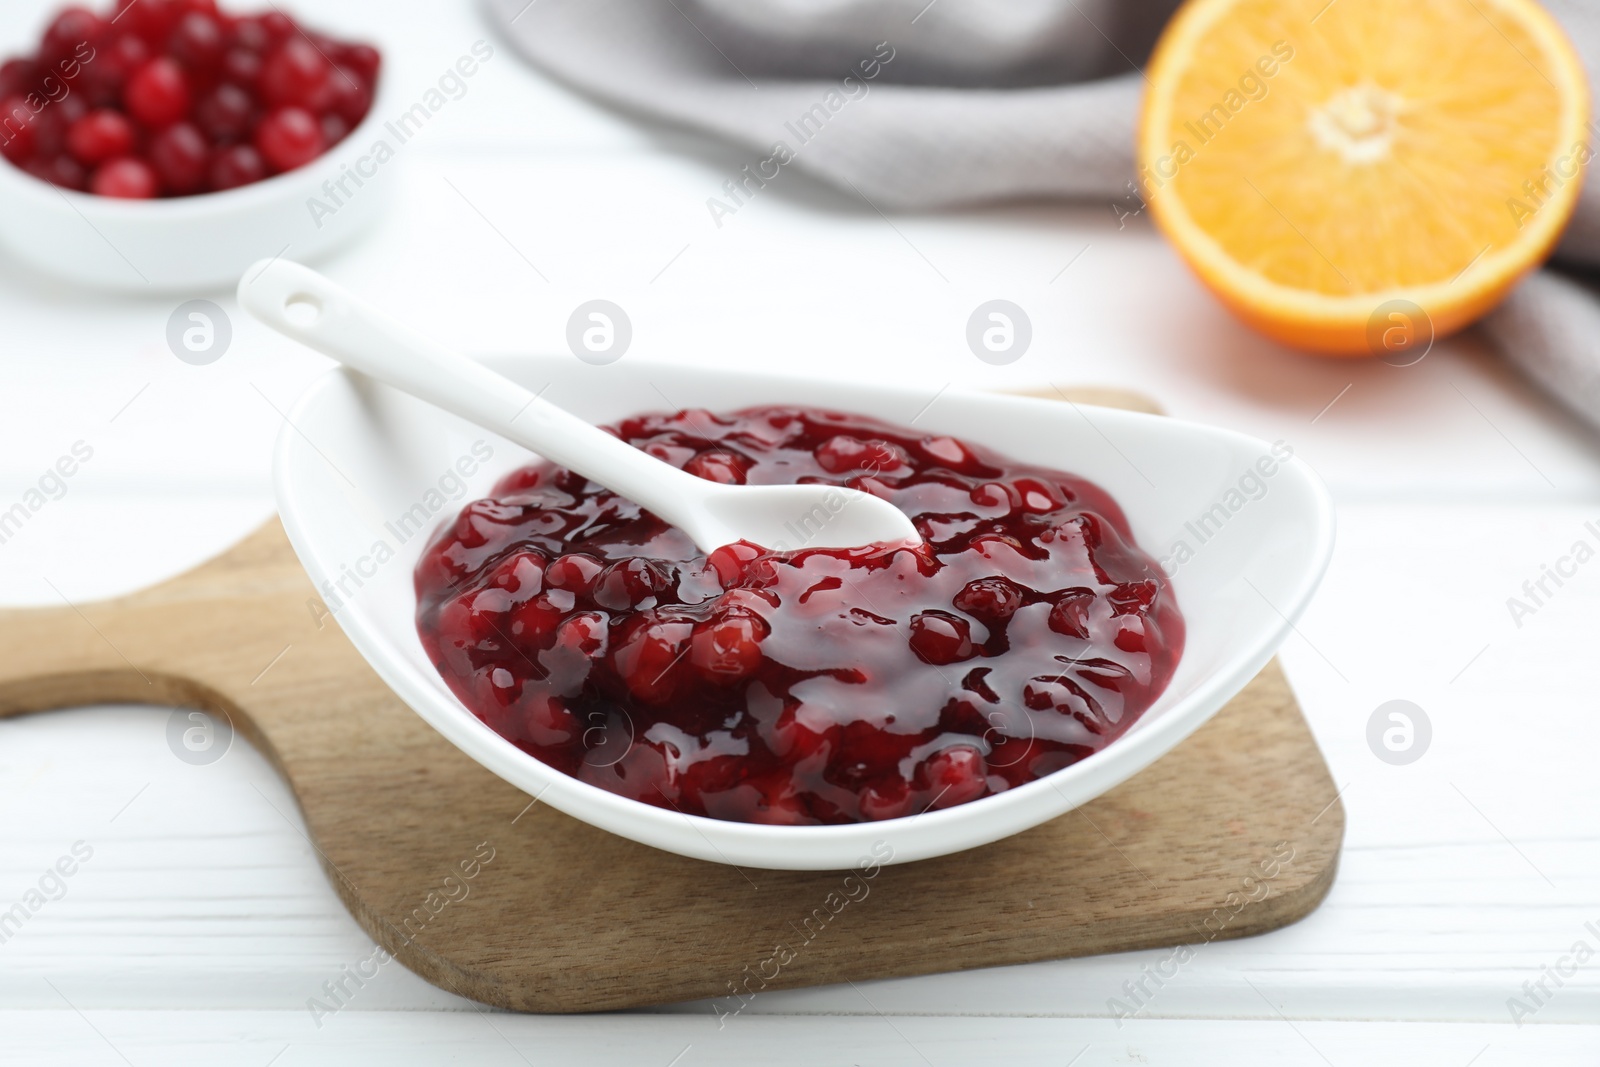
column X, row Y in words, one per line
column 303, row 309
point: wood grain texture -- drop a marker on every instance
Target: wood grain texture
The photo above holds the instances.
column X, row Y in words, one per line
column 1105, row 396
column 511, row 903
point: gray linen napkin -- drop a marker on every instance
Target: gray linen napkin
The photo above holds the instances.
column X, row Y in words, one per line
column 916, row 104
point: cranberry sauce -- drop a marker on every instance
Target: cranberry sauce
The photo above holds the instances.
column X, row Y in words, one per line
column 796, row 685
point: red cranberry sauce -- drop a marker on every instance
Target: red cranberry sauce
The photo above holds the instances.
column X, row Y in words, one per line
column 802, row 686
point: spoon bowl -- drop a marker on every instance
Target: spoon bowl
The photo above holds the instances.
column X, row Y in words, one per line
column 789, row 517
column 364, row 473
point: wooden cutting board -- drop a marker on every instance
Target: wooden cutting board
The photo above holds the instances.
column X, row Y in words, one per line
column 488, row 895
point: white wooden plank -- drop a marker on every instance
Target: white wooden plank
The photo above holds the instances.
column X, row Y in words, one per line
column 290, row 1039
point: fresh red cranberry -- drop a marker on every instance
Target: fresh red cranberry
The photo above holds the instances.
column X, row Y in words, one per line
column 62, row 171
column 100, row 135
column 250, row 34
column 73, row 29
column 18, row 129
column 71, row 108
column 329, row 47
column 51, row 125
column 18, row 77
column 158, row 93
column 114, row 62
column 127, row 53
column 242, row 67
column 289, row 137
column 361, row 58
column 180, row 156
column 224, row 114
column 804, row 687
column 197, row 41
column 278, row 26
column 151, row 19
column 128, row 179
column 297, row 75
column 352, row 94
column 334, row 129
column 236, row 165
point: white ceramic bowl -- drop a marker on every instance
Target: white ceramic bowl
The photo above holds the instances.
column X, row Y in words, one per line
column 354, row 456
column 192, row 244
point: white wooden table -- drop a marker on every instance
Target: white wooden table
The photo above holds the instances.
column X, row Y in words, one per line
column 201, row 924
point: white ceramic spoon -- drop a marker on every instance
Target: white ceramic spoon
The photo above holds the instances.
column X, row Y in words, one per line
column 302, row 304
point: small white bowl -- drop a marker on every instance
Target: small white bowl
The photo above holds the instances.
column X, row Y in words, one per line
column 193, row 243
column 354, row 457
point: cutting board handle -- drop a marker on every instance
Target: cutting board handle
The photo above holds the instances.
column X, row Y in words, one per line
column 57, row 658
column 198, row 640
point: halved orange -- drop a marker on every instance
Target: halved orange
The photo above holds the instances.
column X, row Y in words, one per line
column 1323, row 163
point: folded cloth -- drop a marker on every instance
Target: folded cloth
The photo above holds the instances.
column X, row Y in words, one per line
column 1549, row 327
column 932, row 103
column 763, row 72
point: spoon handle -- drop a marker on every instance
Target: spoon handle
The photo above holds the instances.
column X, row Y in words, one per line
column 307, row 307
